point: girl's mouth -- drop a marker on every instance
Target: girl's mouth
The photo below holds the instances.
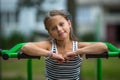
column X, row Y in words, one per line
column 61, row 33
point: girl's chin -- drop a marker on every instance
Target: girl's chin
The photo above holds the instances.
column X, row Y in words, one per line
column 61, row 38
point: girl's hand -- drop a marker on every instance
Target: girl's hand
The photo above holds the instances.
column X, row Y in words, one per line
column 70, row 55
column 57, row 57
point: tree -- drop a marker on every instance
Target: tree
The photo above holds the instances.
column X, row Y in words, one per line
column 71, row 4
column 29, row 3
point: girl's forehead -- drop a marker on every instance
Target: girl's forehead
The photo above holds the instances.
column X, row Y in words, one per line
column 55, row 20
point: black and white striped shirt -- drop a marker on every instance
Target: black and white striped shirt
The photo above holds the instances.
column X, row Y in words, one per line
column 69, row 70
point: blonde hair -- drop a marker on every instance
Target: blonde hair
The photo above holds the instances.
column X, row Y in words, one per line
column 65, row 14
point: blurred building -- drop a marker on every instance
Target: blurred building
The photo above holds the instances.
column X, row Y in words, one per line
column 26, row 16
column 101, row 16
column 8, row 15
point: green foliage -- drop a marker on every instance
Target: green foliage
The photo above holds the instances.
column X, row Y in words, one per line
column 15, row 78
column 12, row 40
column 88, row 37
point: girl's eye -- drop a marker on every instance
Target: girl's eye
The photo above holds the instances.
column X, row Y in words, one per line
column 54, row 28
column 61, row 24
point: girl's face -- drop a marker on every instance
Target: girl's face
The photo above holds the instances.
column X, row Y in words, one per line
column 59, row 27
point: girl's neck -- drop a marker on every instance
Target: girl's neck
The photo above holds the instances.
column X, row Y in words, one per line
column 63, row 43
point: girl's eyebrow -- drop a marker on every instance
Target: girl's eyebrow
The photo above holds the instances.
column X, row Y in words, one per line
column 54, row 27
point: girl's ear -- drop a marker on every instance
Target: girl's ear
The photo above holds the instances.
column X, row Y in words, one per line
column 69, row 22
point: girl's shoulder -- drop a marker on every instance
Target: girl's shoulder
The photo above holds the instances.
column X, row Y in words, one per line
column 43, row 44
column 83, row 44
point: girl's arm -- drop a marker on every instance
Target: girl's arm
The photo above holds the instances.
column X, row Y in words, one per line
column 35, row 49
column 88, row 48
column 41, row 49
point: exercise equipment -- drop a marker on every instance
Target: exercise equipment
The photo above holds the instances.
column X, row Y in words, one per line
column 15, row 52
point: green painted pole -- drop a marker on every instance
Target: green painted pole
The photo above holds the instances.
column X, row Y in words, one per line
column 99, row 69
column 97, row 35
column 29, row 69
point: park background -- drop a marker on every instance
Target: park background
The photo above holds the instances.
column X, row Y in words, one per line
column 92, row 20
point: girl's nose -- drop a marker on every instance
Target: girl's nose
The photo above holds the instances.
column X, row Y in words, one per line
column 59, row 28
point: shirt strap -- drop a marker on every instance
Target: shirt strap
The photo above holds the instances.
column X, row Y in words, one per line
column 54, row 48
column 75, row 45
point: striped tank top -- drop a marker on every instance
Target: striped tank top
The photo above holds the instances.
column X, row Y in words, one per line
column 69, row 70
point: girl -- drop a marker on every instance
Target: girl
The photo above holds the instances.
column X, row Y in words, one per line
column 63, row 52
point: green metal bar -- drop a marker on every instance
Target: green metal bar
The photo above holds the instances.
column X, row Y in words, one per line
column 113, row 54
column 17, row 47
column 13, row 55
column 29, row 69
column 99, row 69
column 13, row 52
column 111, row 47
column 14, row 49
column 113, row 51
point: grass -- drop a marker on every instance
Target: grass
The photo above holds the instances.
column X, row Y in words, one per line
column 110, row 69
column 14, row 69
